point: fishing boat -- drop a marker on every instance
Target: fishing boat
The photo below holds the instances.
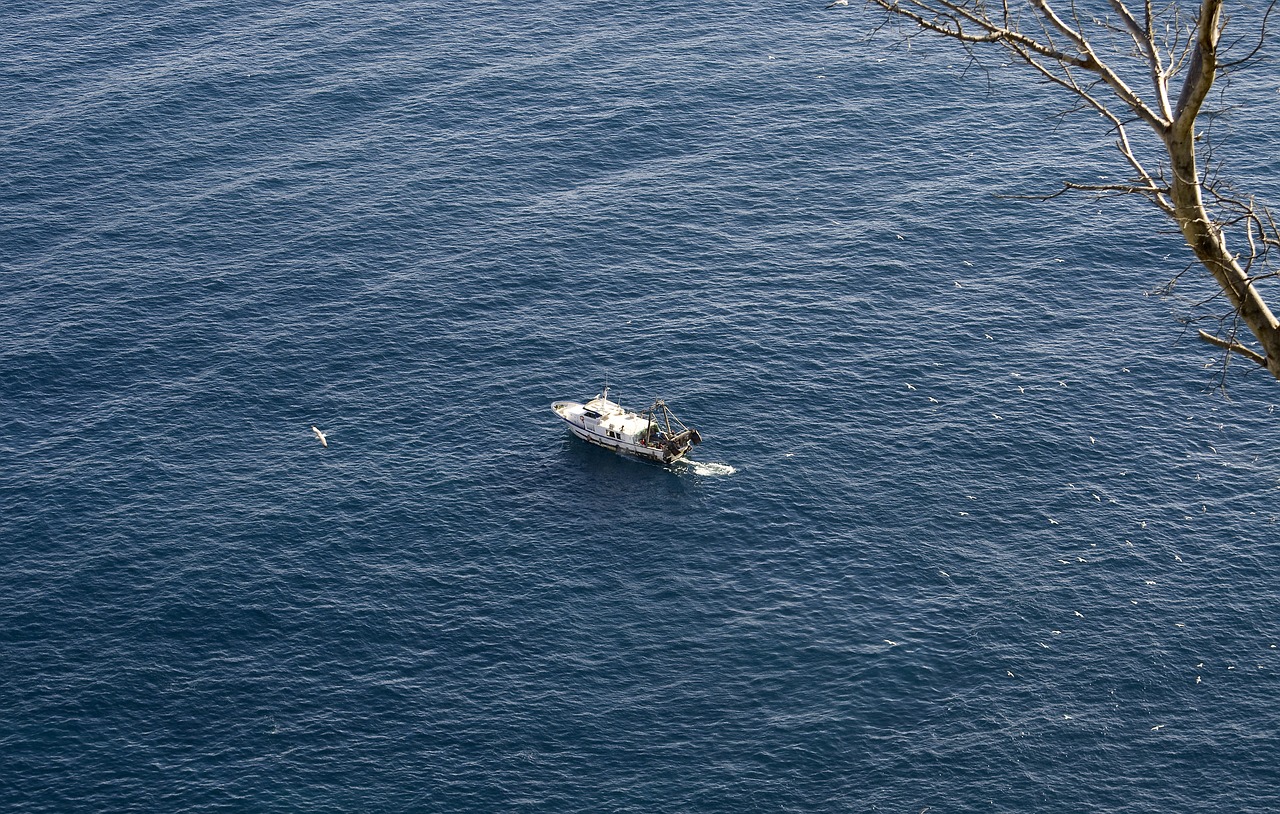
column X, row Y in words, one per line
column 654, row 434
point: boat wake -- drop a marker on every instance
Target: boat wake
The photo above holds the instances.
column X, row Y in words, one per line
column 700, row 468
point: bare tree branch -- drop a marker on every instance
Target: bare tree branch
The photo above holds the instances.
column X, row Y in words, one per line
column 1234, row 347
column 1087, row 55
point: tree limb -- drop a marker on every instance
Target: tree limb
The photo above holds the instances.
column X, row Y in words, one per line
column 1234, row 347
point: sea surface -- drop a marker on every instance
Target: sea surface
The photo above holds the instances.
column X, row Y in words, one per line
column 975, row 526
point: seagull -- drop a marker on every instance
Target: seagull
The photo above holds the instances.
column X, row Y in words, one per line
column 1176, row 557
column 995, row 416
column 910, row 387
column 944, row 573
column 1092, row 440
column 1157, row 727
column 890, row 643
column 1081, row 615
column 324, row 442
column 1053, row 522
column 1020, row 389
column 835, row 3
column 935, row 401
column 1008, row 673
column 987, row 336
column 1197, row 679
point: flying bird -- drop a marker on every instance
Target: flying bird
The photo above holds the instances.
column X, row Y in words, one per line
column 835, row 3
column 324, row 442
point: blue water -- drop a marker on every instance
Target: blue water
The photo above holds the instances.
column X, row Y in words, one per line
column 973, row 528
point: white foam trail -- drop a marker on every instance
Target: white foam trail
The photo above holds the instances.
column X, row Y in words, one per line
column 700, row 468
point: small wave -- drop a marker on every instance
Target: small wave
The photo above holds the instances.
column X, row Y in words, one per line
column 700, row 468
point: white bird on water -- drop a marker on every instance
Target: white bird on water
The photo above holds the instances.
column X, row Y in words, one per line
column 324, row 442
column 838, row 3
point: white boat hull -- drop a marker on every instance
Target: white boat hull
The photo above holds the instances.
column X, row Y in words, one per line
column 605, row 424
